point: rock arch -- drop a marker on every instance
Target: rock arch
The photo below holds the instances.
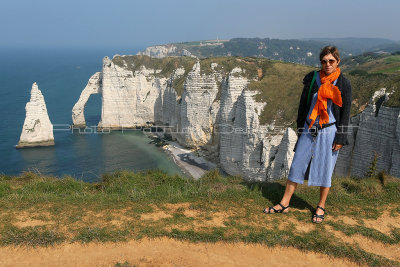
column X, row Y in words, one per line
column 93, row 86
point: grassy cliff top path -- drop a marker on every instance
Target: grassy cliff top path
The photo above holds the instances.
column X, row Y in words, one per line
column 50, row 216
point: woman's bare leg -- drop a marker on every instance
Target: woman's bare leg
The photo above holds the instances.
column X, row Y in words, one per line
column 323, row 194
column 289, row 190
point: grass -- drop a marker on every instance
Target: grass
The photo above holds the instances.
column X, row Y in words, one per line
column 29, row 236
column 280, row 88
column 43, row 211
column 370, row 72
column 392, row 59
column 103, row 234
column 370, row 233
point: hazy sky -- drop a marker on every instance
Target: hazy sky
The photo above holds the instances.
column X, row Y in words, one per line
column 126, row 23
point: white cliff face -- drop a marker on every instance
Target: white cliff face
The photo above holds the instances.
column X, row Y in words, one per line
column 225, row 125
column 395, row 165
column 230, row 137
column 93, row 87
column 374, row 131
column 246, row 148
column 196, row 120
column 279, row 157
column 253, row 151
column 170, row 113
column 37, row 129
column 158, row 51
column 130, row 99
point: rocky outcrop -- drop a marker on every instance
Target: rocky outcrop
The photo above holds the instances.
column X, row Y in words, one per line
column 257, row 152
column 230, row 137
column 37, row 129
column 375, row 132
column 197, row 109
column 130, row 99
column 93, row 87
column 158, row 51
column 170, row 112
column 217, row 114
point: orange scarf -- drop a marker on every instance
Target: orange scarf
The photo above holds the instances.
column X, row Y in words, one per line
column 325, row 91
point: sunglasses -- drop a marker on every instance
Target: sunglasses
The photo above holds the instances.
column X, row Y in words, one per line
column 325, row 61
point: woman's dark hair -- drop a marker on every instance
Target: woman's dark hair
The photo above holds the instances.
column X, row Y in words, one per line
column 329, row 50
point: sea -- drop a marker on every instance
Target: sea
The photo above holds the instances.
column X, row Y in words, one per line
column 62, row 74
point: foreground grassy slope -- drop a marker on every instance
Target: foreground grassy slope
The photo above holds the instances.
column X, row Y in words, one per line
column 42, row 211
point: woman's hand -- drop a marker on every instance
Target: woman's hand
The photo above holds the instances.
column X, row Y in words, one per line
column 336, row 147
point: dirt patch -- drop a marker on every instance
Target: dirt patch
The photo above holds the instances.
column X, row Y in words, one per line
column 164, row 252
column 347, row 220
column 384, row 223
column 192, row 213
column 25, row 219
column 391, row 252
column 119, row 218
column 155, row 216
column 300, row 226
column 31, row 223
column 217, row 220
column 175, row 206
column 116, row 217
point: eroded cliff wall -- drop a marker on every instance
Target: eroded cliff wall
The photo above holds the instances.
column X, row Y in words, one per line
column 374, row 133
column 218, row 114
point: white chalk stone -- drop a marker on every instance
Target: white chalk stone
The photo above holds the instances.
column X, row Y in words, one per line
column 226, row 128
column 160, row 51
column 37, row 129
column 374, row 131
column 92, row 87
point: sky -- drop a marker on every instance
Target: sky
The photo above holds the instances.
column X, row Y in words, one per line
column 123, row 23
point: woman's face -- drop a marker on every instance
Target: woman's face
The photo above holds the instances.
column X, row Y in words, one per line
column 329, row 64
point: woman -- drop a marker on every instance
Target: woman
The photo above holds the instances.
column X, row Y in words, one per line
column 322, row 121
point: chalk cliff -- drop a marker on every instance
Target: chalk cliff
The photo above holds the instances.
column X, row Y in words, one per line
column 158, row 51
column 37, row 129
column 129, row 98
column 161, row 51
column 93, row 87
column 197, row 109
column 375, row 131
column 217, row 113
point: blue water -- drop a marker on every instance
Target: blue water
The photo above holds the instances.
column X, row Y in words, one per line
column 61, row 75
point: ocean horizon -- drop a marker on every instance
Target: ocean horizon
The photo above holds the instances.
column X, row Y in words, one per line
column 61, row 75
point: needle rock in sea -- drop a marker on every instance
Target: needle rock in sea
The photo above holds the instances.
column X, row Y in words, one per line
column 37, row 129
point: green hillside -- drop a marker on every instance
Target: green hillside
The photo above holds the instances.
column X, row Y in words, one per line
column 386, row 63
column 370, row 72
column 304, row 51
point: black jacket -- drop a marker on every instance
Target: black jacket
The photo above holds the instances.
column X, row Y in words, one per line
column 341, row 114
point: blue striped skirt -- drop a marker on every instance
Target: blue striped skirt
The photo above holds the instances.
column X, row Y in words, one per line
column 318, row 150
